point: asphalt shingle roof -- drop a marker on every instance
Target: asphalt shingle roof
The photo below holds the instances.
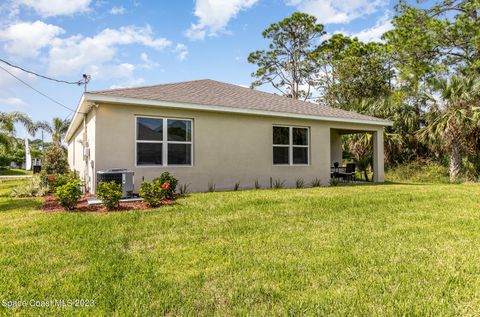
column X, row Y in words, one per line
column 214, row 93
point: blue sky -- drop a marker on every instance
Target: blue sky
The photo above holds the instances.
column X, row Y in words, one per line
column 134, row 43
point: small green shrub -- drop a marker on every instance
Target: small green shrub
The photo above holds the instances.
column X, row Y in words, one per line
column 169, row 191
column 60, row 180
column 237, row 186
column 470, row 169
column 257, row 184
column 316, row 183
column 184, row 189
column 278, row 183
column 334, row 181
column 211, row 187
column 109, row 193
column 5, row 161
column 69, row 194
column 299, row 183
column 34, row 187
column 55, row 180
column 418, row 172
column 152, row 193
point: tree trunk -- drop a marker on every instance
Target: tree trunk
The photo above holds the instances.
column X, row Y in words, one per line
column 455, row 162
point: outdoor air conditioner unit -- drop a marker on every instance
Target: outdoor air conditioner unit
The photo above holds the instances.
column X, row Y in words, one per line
column 121, row 176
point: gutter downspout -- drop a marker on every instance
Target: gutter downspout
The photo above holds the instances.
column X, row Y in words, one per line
column 89, row 179
column 85, row 154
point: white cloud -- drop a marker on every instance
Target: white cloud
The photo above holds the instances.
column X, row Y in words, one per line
column 148, row 63
column 10, row 87
column 337, row 11
column 98, row 55
column 183, row 55
column 123, row 70
column 214, row 16
column 374, row 34
column 7, row 81
column 25, row 39
column 50, row 8
column 182, row 51
column 13, row 102
column 135, row 82
column 79, row 54
column 117, row 10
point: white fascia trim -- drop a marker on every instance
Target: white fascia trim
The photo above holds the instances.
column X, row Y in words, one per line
column 73, row 126
column 169, row 104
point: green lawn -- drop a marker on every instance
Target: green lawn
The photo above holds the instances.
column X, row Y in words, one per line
column 389, row 250
column 13, row 172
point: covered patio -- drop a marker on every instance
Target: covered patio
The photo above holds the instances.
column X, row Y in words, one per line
column 347, row 171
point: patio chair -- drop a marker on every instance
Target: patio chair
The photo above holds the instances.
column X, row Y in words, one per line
column 349, row 174
column 334, row 170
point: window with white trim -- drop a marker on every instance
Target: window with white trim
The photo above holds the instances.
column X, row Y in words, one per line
column 163, row 141
column 290, row 145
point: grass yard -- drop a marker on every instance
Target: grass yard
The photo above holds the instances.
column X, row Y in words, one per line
column 13, row 172
column 388, row 250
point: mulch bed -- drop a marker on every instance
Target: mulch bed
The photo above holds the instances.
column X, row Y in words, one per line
column 51, row 204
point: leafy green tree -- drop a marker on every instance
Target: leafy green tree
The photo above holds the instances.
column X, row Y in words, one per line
column 57, row 129
column 398, row 138
column 37, row 146
column 454, row 118
column 394, row 80
column 55, row 160
column 459, row 35
column 7, row 126
column 290, row 63
column 11, row 148
column 351, row 70
column 431, row 42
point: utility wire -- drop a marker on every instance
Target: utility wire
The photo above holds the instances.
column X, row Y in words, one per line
column 67, row 117
column 79, row 82
column 39, row 92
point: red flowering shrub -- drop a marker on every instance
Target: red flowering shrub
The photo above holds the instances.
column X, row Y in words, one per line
column 170, row 189
column 160, row 188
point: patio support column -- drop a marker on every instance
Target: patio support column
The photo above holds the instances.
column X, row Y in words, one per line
column 336, row 151
column 378, row 157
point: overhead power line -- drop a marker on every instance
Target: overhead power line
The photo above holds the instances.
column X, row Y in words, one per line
column 78, row 82
column 38, row 91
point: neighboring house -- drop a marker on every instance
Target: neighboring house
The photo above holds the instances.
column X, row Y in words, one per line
column 207, row 132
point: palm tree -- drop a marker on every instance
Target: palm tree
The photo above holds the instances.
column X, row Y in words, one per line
column 453, row 119
column 397, row 138
column 359, row 145
column 57, row 129
column 7, row 126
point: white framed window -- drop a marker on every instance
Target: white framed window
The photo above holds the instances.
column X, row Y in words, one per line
column 291, row 145
column 163, row 141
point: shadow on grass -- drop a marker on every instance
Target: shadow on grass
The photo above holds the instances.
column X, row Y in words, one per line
column 19, row 203
column 411, row 184
column 369, row 183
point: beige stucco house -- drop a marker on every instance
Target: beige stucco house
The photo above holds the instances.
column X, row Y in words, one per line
column 207, row 132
